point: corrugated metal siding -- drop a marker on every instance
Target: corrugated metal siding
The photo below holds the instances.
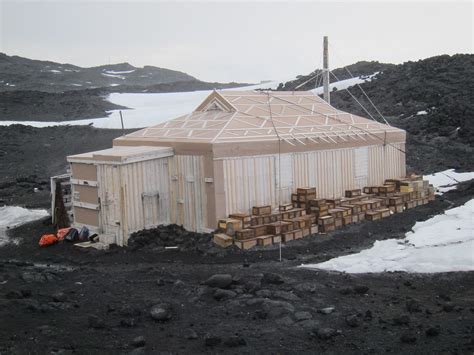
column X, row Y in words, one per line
column 189, row 200
column 251, row 181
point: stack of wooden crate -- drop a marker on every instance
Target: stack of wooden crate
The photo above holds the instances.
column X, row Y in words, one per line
column 308, row 215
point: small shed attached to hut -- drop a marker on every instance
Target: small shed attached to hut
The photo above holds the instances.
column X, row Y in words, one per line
column 237, row 149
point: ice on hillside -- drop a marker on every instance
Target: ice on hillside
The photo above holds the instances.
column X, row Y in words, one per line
column 13, row 216
column 344, row 84
column 120, row 72
column 443, row 243
column 55, row 71
column 447, row 180
column 148, row 109
column 421, row 113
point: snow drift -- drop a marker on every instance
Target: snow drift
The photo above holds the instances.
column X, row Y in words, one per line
column 443, row 243
column 13, row 216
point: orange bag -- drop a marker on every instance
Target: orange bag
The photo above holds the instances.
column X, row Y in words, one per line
column 62, row 232
column 48, row 239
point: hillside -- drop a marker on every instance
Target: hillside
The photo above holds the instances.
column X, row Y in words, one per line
column 18, row 73
column 432, row 99
column 362, row 68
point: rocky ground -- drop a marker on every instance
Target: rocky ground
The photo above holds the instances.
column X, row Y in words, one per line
column 199, row 298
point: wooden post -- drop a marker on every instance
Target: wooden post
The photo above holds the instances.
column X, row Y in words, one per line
column 326, row 94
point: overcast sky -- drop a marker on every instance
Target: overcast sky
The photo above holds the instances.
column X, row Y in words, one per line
column 233, row 41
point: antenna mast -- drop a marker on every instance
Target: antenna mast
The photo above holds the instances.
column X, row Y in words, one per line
column 326, row 71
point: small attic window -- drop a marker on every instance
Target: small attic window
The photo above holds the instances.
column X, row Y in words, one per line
column 216, row 105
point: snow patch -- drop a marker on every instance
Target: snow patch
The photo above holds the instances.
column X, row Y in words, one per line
column 344, row 84
column 13, row 216
column 443, row 243
column 55, row 71
column 120, row 72
column 421, row 113
column 114, row 76
column 447, row 180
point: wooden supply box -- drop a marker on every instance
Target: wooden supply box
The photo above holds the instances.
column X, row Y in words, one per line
column 353, row 193
column 261, row 210
column 259, row 230
column 246, row 244
column 222, row 240
column 244, row 234
column 244, row 218
column 373, row 215
column 265, row 240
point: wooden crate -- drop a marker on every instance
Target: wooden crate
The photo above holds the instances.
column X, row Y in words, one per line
column 246, row 244
column 325, row 220
column 397, row 208
column 244, row 234
column 294, row 197
column 278, row 227
column 353, row 193
column 259, row 230
column 298, row 234
column 305, row 198
column 261, row 210
column 346, row 220
column 386, row 189
column 410, row 204
column 306, row 191
column 354, row 208
column 306, row 232
column 285, row 207
column 333, row 201
column 336, row 212
column 406, row 189
column 355, row 218
column 326, row 228
column 287, row 237
column 230, row 225
column 346, row 211
column 222, row 240
column 338, row 222
column 384, row 212
column 245, row 218
column 395, row 200
column 276, row 239
column 317, row 202
column 314, row 229
column 372, row 215
column 265, row 240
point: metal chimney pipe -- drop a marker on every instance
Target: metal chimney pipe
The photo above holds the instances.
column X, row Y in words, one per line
column 326, row 71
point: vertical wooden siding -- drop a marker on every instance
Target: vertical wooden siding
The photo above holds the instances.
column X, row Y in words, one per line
column 251, row 181
column 189, row 200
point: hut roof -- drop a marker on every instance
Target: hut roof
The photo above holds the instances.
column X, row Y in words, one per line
column 252, row 116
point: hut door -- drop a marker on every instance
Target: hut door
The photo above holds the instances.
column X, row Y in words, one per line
column 151, row 209
column 111, row 201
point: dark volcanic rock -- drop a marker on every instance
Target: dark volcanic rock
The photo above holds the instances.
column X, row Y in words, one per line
column 139, row 341
column 413, row 306
column 401, row 320
column 271, row 278
column 219, row 280
column 432, row 331
column 221, row 294
column 96, row 322
column 59, row 297
column 361, row 289
column 234, row 341
column 190, row 334
column 212, row 339
column 352, row 321
column 408, row 338
column 326, row 333
column 161, row 312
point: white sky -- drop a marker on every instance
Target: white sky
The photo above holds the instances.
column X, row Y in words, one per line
column 233, row 41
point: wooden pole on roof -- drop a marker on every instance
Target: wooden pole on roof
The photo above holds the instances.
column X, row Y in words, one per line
column 326, row 71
